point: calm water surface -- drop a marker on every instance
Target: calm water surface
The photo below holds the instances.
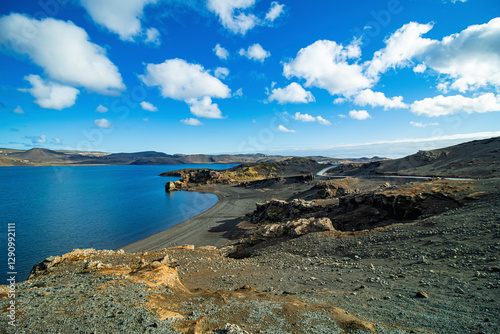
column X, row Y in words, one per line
column 58, row 209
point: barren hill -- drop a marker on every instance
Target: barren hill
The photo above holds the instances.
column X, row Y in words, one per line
column 475, row 159
column 40, row 155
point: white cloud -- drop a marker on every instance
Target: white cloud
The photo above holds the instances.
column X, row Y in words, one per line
column 221, row 72
column 281, row 128
column 464, row 61
column 323, row 121
column 56, row 141
column 255, row 52
column 148, row 106
column 420, row 68
column 304, row 117
column 63, row 50
column 103, row 123
column 37, row 139
column 275, row 11
column 342, row 116
column 400, row 48
column 153, row 36
column 191, row 121
column 204, row 108
column 232, row 14
column 449, row 105
column 180, row 80
column 470, row 59
column 293, row 93
column 18, row 110
column 378, row 99
column 308, row 118
column 339, row 100
column 146, row 119
column 359, row 114
column 324, row 64
column 422, row 125
column 239, row 92
column 119, row 16
column 51, row 95
column 102, row 109
column 221, row 52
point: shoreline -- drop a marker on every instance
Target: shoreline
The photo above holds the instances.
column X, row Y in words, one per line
column 217, row 225
column 209, row 228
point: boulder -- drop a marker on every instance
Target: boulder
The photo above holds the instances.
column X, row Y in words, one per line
column 170, row 186
column 293, row 228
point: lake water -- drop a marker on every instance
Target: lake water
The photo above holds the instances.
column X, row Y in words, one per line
column 57, row 209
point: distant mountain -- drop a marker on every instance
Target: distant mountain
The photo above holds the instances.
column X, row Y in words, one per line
column 475, row 159
column 40, row 156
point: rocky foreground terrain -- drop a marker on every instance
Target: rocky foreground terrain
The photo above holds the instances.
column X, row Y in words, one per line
column 438, row 272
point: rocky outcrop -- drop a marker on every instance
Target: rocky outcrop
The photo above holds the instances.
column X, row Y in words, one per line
column 170, row 186
column 278, row 211
column 401, row 206
column 336, row 188
column 293, row 228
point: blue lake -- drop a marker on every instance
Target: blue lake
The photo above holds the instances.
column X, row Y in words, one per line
column 58, row 209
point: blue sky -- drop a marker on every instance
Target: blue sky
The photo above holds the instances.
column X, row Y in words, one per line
column 338, row 78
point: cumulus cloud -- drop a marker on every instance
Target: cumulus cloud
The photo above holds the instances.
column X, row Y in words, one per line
column 281, row 128
column 275, row 11
column 103, row 123
column 470, row 59
column 37, row 139
column 378, row 99
column 102, row 109
column 324, row 64
column 304, row 117
column 119, row 16
column 63, row 50
column 293, row 93
column 191, row 121
column 153, row 36
column 220, row 52
column 449, row 105
column 204, row 108
column 308, row 118
column 180, row 80
column 323, row 121
column 221, row 72
column 359, row 114
column 148, row 106
column 51, row 95
column 400, row 48
column 18, row 110
column 465, row 61
column 422, row 125
column 233, row 14
column 255, row 52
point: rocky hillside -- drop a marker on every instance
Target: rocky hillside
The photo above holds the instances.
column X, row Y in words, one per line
column 475, row 159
